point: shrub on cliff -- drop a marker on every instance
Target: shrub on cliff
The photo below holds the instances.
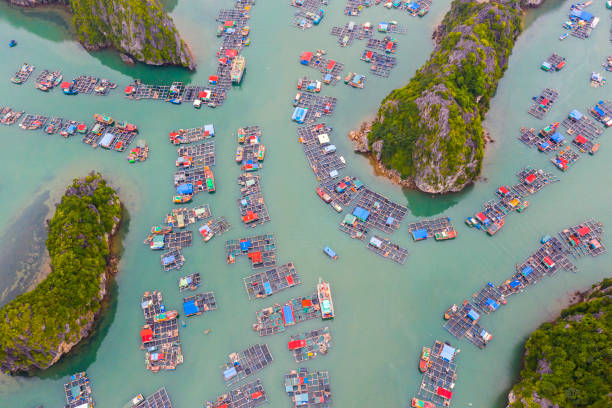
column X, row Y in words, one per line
column 35, row 324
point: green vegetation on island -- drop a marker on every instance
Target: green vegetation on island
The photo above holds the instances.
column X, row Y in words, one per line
column 39, row 326
column 568, row 362
column 431, row 129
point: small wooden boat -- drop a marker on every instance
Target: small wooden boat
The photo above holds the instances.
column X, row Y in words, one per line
column 165, row 316
column 12, row 43
column 444, row 235
column 210, row 179
column 330, row 252
column 325, row 300
column 424, row 361
column 182, row 198
column 126, row 126
column 323, row 195
column 417, row 403
column 239, row 154
column 104, row 119
column 336, row 206
column 450, row 311
column 161, row 229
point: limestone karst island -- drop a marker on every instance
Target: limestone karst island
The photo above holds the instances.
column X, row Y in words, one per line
column 303, row 203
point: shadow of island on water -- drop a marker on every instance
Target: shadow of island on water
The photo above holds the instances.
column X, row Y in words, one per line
column 427, row 205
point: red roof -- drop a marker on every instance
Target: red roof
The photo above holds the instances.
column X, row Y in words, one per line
column 561, row 65
column 129, row 89
column 231, row 53
column 213, row 78
column 289, row 280
column 544, row 101
column 223, row 61
column 548, row 262
column 296, row 344
column 256, row 395
column 81, row 126
column 481, row 217
column 65, row 85
column 330, row 65
column 580, row 139
column 582, row 231
column 503, row 190
column 306, row 302
column 369, row 54
column 389, row 45
column 530, row 178
column 306, row 55
column 146, row 335
column 203, row 94
column 256, row 257
column 443, row 392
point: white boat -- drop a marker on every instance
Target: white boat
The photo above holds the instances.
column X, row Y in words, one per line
column 595, row 22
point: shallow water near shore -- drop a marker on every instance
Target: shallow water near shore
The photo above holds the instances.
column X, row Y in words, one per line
column 385, row 312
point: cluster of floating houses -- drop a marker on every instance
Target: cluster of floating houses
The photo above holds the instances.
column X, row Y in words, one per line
column 310, row 12
column 105, row 132
column 48, row 80
column 580, row 22
column 413, row 7
column 250, row 155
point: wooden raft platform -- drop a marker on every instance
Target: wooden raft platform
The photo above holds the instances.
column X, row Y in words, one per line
column 584, row 239
column 216, row 226
column 346, row 34
column 189, row 282
column 185, row 136
column 92, row 85
column 320, row 152
column 260, row 249
column 246, row 362
column 33, row 122
column 184, row 216
column 543, row 102
column 202, row 154
column 381, row 64
column 308, row 389
column 343, row 191
column 271, row 320
column 78, row 391
column 306, row 346
column 431, row 226
column 159, row 399
column 441, row 374
column 172, row 259
column 197, row 304
column 8, row 116
column 263, row 284
column 387, row 249
column 160, row 336
column 383, row 213
column 317, row 105
column 327, row 66
column 250, row 395
column 464, row 323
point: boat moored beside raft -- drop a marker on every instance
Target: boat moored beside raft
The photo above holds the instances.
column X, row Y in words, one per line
column 325, row 300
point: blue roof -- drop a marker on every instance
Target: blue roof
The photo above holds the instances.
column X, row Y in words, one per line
column 419, row 234
column 575, row 115
column 514, row 283
column 390, row 220
column 267, row 288
column 168, row 259
column 414, row 6
column 229, row 373
column 527, row 270
column 557, row 137
column 599, row 111
column 361, row 213
column 586, row 16
column 190, row 308
column 245, row 245
column 473, row 314
column 492, row 304
column 185, row 189
column 299, row 114
column 288, row 315
column 447, row 352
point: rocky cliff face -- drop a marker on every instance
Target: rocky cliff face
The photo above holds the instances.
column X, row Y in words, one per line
column 139, row 29
column 431, row 129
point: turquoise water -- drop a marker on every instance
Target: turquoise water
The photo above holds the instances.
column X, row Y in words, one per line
column 385, row 312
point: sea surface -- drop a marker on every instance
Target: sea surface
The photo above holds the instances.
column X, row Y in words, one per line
column 385, row 312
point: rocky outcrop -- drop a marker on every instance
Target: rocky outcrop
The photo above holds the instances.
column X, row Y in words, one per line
column 431, row 128
column 138, row 29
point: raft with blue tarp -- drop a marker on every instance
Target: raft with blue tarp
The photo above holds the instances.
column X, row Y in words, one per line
column 361, row 213
column 419, row 234
column 299, row 114
column 190, row 308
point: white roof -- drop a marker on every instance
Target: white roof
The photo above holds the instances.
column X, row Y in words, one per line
column 323, row 138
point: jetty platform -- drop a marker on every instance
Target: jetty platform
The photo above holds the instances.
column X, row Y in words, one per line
column 308, row 389
column 439, row 379
column 78, row 391
column 387, row 249
column 464, row 324
column 260, row 249
column 172, row 259
column 189, row 282
column 275, row 319
column 250, row 395
column 246, row 362
column 306, row 346
column 543, row 102
column 197, row 304
column 266, row 283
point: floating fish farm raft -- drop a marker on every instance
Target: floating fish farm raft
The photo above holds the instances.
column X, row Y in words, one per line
column 308, row 345
column 78, row 391
column 343, row 191
column 250, row 153
column 159, row 399
column 311, row 107
column 23, row 74
column 33, row 122
column 543, row 103
column 172, row 259
column 9, row 116
column 355, row 229
column 464, row 323
column 54, row 125
column 178, row 240
column 553, row 63
column 260, row 249
column 377, row 211
column 184, row 136
column 544, row 141
column 346, row 34
column 250, row 395
column 584, row 239
column 381, row 64
column 330, row 69
column 439, row 228
column 159, row 335
column 246, row 362
column 387, row 44
column 263, row 284
column 387, row 249
column 565, row 158
column 320, row 152
column 489, row 298
column 46, row 80
column 189, row 282
column 602, row 112
column 196, row 176
column 275, row 319
column 308, row 389
column 492, row 218
column 310, row 12
column 185, row 216
column 91, row 85
column 440, row 376
column 202, row 154
column 414, row 8
column 216, row 226
column 578, row 124
column 197, row 304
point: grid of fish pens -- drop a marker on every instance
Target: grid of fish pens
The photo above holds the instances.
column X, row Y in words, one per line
column 263, row 284
column 48, row 80
column 251, row 204
column 532, row 181
column 441, row 372
column 584, row 239
column 543, row 103
column 250, row 395
column 218, row 226
column 343, row 191
column 308, row 389
column 317, row 105
column 381, row 45
column 185, row 136
column 327, row 66
column 178, row 240
column 33, row 122
column 92, row 85
column 579, row 124
column 353, row 228
column 202, row 154
column 159, row 399
column 387, row 249
column 353, row 7
column 160, row 335
column 488, row 298
column 172, row 259
column 199, row 303
column 246, row 362
column 464, row 324
column 188, row 216
column 261, row 249
column 381, row 64
column 68, row 128
column 190, row 282
column 532, row 139
column 275, row 319
column 565, row 158
column 195, row 175
column 78, row 382
column 346, row 34
column 23, row 74
column 384, row 214
column 555, row 60
column 306, row 346
column 602, row 111
column 433, row 226
column 323, row 160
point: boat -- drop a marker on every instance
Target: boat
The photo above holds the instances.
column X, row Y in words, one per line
column 495, row 227
column 136, row 400
column 325, row 300
column 545, row 239
column 70, row 91
column 595, row 22
column 609, row 4
column 104, row 119
column 165, row 316
column 450, row 311
column 197, row 103
column 323, row 195
column 594, row 149
column 161, row 229
column 239, row 154
column 330, row 252
column 417, row 403
column 12, row 43
column 176, row 101
column 297, row 98
column 238, row 66
column 126, row 126
column 424, row 361
column 444, row 235
column 563, row 36
column 182, row 198
column 336, row 206
column 24, row 68
column 261, row 152
column 471, row 221
column 210, row 179
column 206, row 232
